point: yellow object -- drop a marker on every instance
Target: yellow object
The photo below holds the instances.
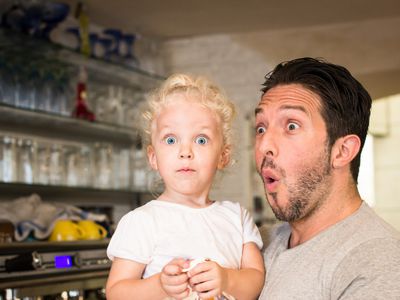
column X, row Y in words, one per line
column 66, row 230
column 92, row 230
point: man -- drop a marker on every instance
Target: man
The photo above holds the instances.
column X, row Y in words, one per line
column 311, row 124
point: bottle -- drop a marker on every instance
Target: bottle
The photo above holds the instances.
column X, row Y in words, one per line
column 82, row 16
column 81, row 110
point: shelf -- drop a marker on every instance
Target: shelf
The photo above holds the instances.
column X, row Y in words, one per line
column 20, row 189
column 112, row 72
column 23, row 247
column 56, row 126
column 42, row 50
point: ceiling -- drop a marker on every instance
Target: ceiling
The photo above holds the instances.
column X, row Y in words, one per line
column 178, row 18
column 356, row 33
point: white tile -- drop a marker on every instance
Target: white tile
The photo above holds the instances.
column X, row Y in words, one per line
column 387, row 188
column 391, row 216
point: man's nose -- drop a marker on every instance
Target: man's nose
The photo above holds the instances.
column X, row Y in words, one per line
column 267, row 144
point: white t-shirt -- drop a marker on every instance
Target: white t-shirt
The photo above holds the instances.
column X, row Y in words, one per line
column 159, row 231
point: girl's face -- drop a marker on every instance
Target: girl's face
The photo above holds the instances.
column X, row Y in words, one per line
column 186, row 149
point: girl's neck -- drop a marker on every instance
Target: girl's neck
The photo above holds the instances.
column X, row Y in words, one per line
column 194, row 201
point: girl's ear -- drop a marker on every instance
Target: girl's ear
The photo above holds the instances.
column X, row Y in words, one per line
column 224, row 158
column 344, row 150
column 151, row 156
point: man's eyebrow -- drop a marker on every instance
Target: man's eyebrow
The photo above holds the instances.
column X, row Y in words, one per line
column 258, row 110
column 296, row 107
column 284, row 107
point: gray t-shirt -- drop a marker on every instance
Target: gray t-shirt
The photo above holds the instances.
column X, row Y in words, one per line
column 357, row 258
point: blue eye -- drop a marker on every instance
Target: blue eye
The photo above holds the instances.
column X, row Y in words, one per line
column 260, row 130
column 201, row 140
column 170, row 140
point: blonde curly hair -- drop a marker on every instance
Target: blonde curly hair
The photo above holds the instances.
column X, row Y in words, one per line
column 207, row 94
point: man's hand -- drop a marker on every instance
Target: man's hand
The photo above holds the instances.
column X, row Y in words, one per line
column 173, row 280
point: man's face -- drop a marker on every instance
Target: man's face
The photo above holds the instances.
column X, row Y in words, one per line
column 291, row 150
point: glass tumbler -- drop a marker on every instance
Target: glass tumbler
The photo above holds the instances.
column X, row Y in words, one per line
column 72, row 162
column 103, row 166
column 122, row 170
column 42, row 165
column 86, row 166
column 26, row 152
column 56, row 167
column 8, row 159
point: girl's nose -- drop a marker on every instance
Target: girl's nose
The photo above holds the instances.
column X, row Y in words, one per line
column 187, row 155
column 186, row 152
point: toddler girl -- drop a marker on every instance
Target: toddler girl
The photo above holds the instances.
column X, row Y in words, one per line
column 188, row 138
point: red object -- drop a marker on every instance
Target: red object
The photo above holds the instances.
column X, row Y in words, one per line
column 81, row 109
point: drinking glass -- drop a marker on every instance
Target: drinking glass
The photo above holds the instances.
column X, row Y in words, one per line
column 56, row 168
column 42, row 166
column 86, row 166
column 139, row 169
column 103, row 165
column 121, row 158
column 72, row 162
column 8, row 159
column 26, row 152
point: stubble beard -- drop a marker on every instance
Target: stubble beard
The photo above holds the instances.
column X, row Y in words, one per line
column 308, row 192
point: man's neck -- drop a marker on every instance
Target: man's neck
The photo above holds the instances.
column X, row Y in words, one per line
column 340, row 205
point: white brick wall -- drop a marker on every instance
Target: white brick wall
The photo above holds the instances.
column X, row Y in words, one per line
column 387, row 160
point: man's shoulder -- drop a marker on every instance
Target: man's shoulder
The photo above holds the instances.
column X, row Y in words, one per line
column 367, row 225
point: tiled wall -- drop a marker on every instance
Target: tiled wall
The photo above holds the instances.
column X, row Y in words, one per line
column 385, row 127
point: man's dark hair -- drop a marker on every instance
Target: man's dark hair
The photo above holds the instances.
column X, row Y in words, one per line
column 345, row 104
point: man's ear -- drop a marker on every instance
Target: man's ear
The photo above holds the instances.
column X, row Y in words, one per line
column 151, row 156
column 225, row 158
column 344, row 150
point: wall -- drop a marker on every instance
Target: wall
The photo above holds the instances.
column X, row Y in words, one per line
column 385, row 126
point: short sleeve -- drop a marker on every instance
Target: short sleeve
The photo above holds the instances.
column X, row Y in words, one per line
column 250, row 230
column 132, row 239
column 370, row 271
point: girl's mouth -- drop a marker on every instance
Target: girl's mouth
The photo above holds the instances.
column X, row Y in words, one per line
column 186, row 170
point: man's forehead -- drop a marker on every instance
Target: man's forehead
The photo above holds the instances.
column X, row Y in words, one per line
column 289, row 96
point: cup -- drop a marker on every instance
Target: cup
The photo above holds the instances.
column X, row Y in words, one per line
column 66, row 230
column 92, row 230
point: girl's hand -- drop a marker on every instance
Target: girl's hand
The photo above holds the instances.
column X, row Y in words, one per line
column 208, row 279
column 173, row 281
